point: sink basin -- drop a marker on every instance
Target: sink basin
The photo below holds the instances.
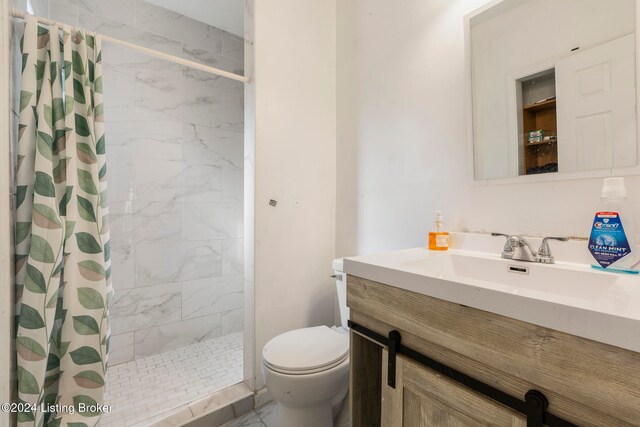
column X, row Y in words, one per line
column 570, row 297
column 571, row 283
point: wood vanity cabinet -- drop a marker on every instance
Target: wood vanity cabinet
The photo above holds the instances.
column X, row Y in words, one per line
column 586, row 383
column 423, row 398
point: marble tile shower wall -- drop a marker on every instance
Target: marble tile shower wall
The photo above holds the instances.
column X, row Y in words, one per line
column 175, row 152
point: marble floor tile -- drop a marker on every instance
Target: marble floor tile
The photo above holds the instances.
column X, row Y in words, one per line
column 267, row 414
column 215, row 419
column 250, row 419
column 170, row 418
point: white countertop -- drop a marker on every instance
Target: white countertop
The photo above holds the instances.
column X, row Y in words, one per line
column 568, row 297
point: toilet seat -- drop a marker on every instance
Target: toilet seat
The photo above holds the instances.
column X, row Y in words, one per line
column 306, row 351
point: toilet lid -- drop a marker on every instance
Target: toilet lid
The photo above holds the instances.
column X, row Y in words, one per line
column 306, row 350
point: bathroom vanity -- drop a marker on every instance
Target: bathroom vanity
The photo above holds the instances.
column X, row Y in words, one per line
column 472, row 338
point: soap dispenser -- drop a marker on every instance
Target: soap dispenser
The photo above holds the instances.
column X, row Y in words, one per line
column 438, row 238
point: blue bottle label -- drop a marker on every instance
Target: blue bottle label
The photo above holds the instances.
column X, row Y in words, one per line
column 608, row 242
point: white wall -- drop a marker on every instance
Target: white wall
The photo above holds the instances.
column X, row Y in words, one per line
column 402, row 136
column 295, row 164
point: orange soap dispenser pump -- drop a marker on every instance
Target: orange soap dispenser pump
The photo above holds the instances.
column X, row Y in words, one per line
column 438, row 238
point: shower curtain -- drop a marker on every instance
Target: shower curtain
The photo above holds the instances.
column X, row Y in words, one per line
column 61, row 232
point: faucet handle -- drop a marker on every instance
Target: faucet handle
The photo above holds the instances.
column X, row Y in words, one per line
column 544, row 253
column 507, row 251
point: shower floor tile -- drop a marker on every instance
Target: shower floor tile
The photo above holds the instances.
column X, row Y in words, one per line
column 143, row 388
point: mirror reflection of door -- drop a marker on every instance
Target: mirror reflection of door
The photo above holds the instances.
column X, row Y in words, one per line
column 582, row 49
column 597, row 107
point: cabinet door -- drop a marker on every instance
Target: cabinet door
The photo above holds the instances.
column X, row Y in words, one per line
column 424, row 398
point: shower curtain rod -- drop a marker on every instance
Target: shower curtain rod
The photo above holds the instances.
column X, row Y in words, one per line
column 16, row 13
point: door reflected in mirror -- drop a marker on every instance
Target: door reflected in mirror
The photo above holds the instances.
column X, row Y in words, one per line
column 553, row 87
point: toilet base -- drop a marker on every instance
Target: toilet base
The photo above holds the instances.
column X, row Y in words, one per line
column 314, row 416
column 308, row 399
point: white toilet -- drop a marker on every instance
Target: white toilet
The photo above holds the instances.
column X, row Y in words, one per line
column 307, row 370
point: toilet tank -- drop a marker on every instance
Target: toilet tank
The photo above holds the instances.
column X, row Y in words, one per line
column 341, row 286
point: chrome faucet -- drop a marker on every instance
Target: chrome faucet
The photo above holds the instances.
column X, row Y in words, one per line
column 517, row 248
column 544, row 253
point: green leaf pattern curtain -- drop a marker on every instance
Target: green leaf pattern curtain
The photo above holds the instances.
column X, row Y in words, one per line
column 61, row 231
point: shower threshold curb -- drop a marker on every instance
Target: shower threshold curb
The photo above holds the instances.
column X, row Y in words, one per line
column 214, row 410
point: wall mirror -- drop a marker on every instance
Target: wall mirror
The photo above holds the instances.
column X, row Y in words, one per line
column 553, row 87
